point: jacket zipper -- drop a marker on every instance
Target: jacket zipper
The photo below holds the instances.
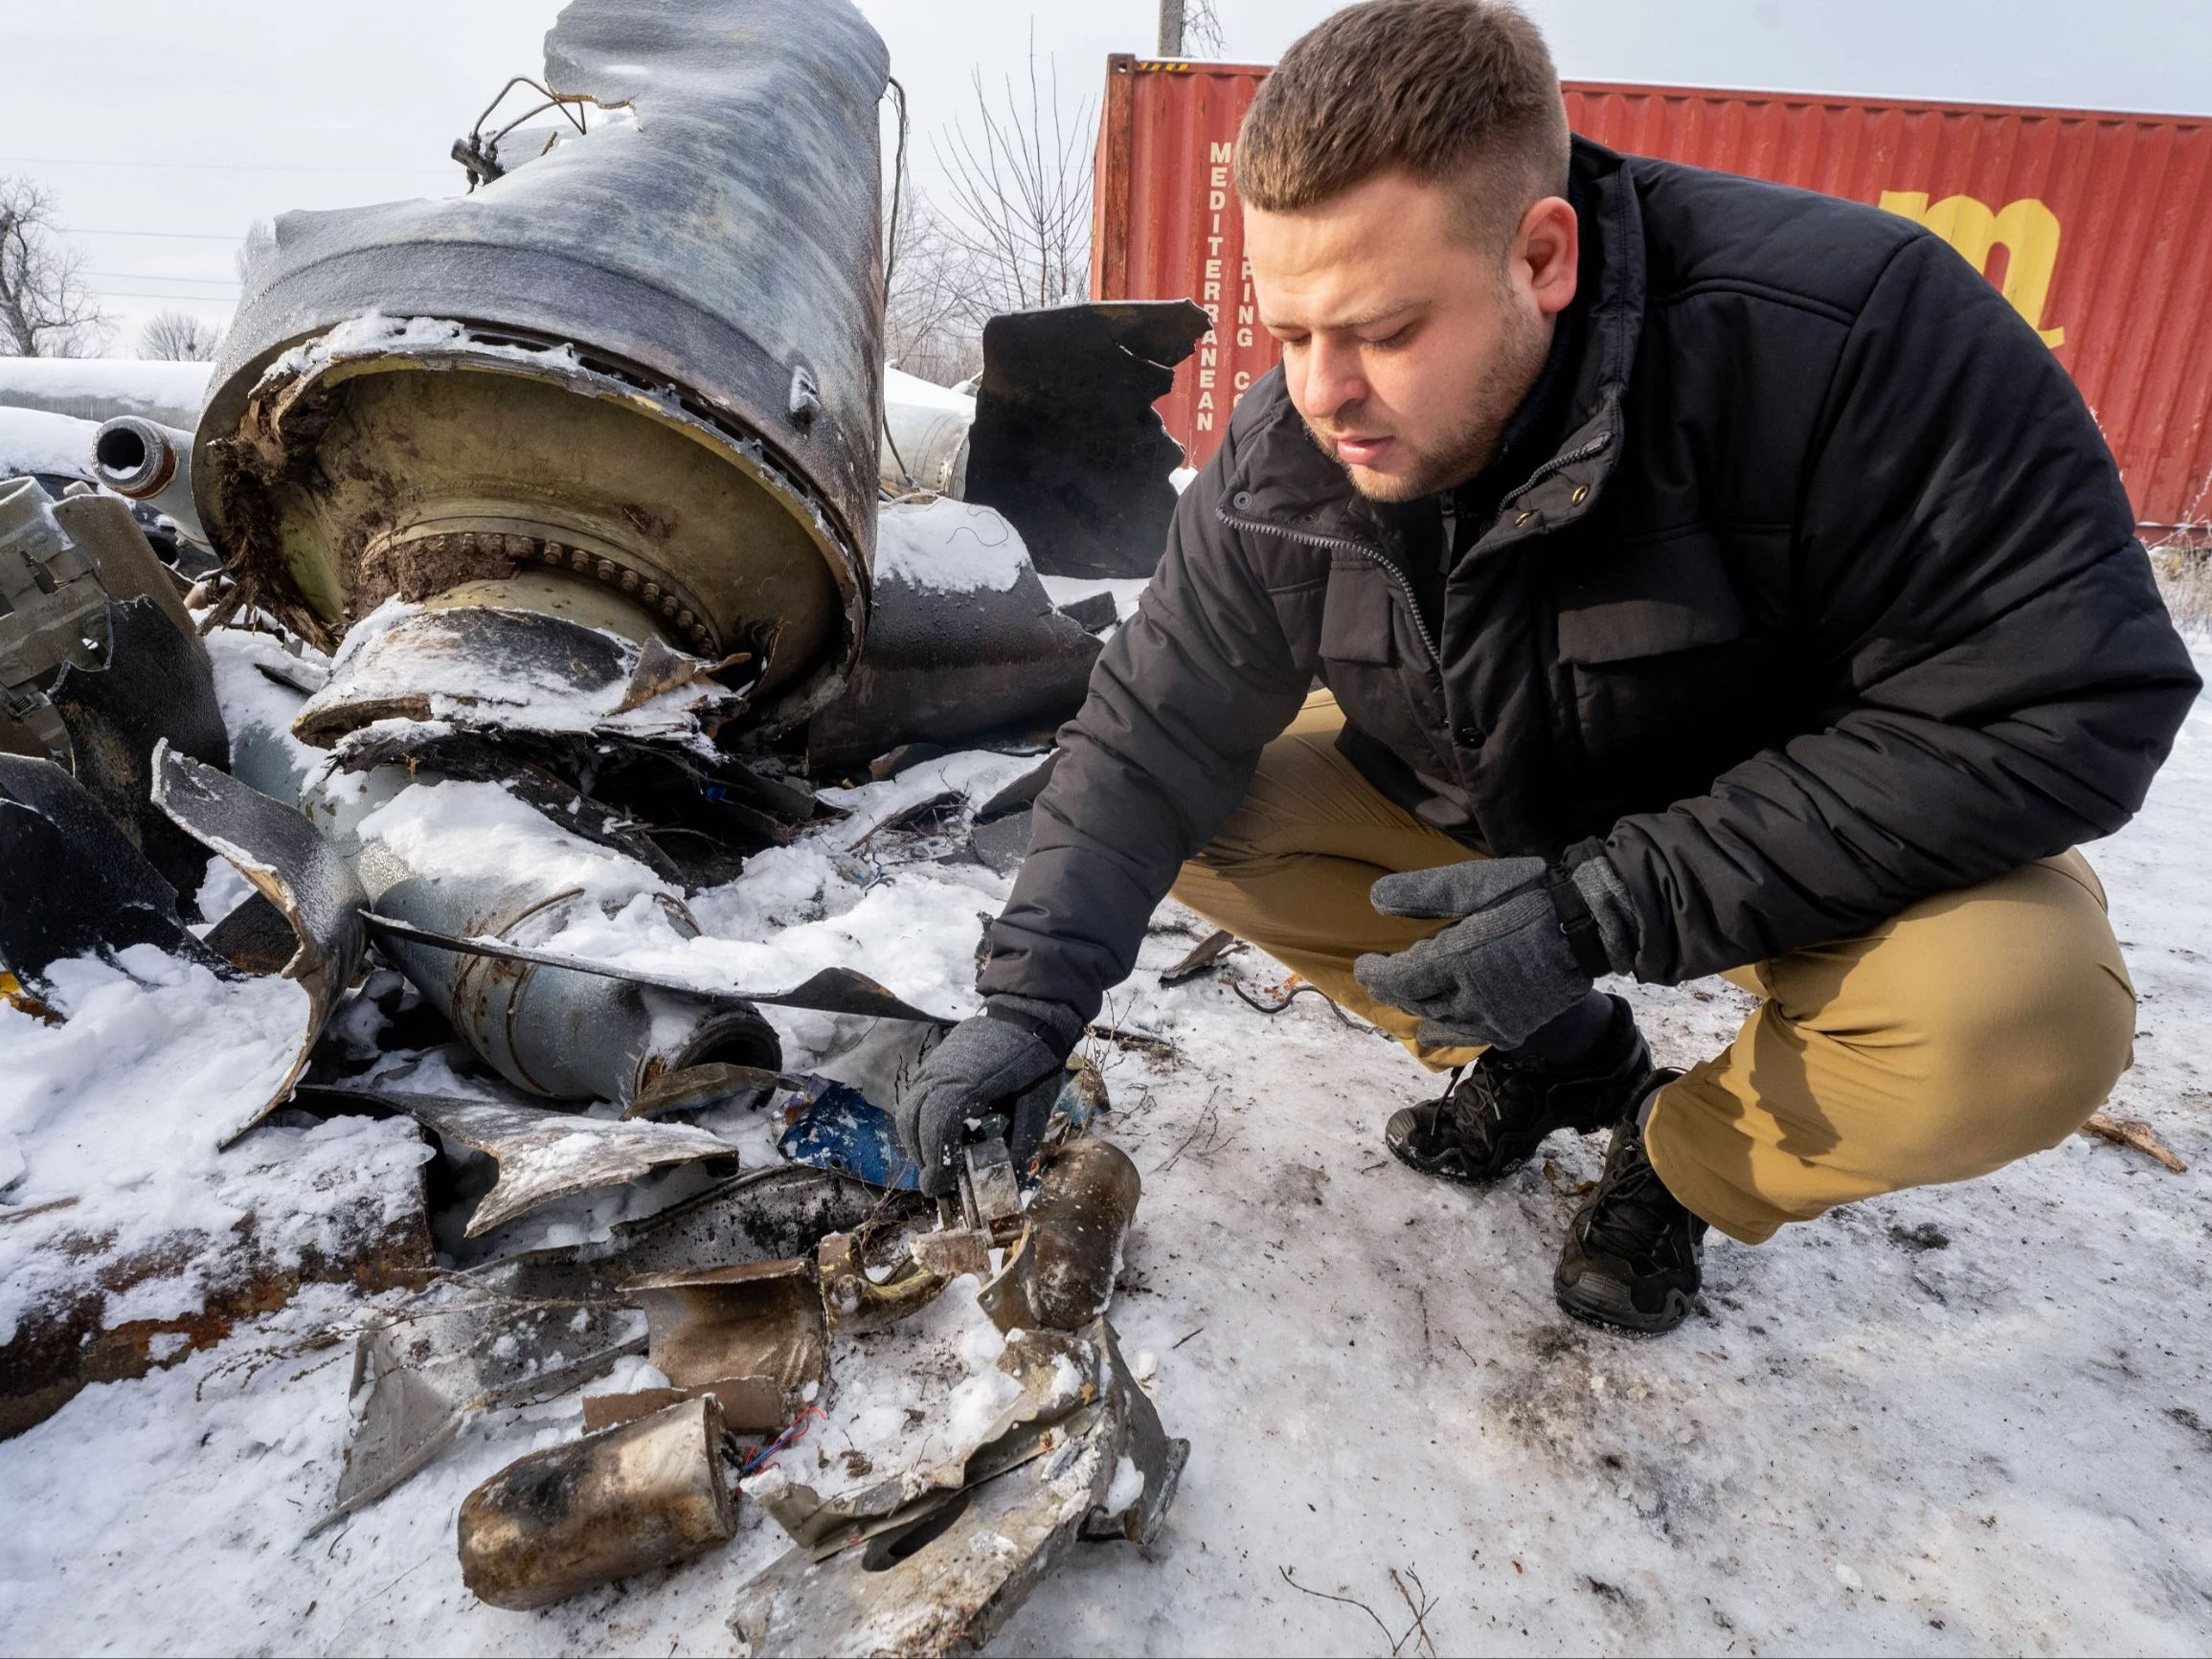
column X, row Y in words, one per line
column 1348, row 545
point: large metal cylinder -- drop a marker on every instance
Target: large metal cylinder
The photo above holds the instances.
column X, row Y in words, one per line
column 653, row 353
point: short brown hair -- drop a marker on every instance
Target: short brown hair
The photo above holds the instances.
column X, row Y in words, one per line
column 1444, row 89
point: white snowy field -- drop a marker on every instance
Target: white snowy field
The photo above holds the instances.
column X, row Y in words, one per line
column 1963, row 1418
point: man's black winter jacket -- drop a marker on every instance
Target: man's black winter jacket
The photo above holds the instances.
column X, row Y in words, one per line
column 1829, row 601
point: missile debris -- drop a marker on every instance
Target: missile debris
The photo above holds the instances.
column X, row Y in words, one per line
column 1060, row 1275
column 644, row 1495
column 752, row 1334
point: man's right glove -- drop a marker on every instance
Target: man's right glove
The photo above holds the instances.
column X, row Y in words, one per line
column 1011, row 1059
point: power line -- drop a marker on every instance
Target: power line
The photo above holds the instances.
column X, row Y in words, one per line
column 220, row 166
column 171, row 235
column 178, row 299
column 162, row 276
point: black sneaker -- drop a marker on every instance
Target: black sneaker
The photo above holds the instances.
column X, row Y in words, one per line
column 1499, row 1111
column 1632, row 1253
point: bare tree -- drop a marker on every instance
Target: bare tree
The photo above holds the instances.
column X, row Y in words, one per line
column 1189, row 29
column 45, row 308
column 932, row 325
column 260, row 241
column 179, row 337
column 1020, row 197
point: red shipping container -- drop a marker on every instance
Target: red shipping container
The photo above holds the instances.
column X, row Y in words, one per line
column 2097, row 226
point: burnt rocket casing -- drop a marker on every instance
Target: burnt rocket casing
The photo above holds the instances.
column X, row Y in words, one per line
column 1060, row 1275
column 566, row 1519
column 647, row 360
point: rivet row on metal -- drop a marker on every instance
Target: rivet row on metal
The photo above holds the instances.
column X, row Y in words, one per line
column 674, row 606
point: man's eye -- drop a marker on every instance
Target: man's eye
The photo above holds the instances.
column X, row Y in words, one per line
column 1386, row 342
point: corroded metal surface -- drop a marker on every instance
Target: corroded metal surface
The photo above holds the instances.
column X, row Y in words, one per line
column 661, row 343
column 648, row 1493
column 752, row 1334
column 1060, row 1276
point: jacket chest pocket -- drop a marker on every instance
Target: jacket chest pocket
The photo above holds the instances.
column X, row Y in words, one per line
column 1381, row 681
column 1661, row 652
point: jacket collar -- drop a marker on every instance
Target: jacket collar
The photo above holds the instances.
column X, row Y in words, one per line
column 1284, row 482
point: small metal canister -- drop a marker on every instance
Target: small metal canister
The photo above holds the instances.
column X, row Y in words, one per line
column 567, row 1520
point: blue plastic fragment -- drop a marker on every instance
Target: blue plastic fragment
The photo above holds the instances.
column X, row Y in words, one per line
column 835, row 1127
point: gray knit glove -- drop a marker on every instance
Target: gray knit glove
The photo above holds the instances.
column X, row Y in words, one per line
column 1011, row 1059
column 1534, row 938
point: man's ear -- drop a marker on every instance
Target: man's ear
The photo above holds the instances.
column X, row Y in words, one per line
column 1546, row 252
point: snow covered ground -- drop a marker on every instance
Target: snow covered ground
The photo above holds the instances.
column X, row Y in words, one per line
column 1955, row 1420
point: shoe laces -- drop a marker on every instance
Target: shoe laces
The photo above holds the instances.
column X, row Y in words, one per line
column 1634, row 1214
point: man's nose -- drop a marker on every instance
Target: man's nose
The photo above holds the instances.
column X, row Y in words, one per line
column 1334, row 378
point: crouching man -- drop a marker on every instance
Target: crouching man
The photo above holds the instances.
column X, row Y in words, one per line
column 1706, row 578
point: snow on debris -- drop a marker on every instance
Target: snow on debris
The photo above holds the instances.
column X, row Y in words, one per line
column 35, row 440
column 1973, row 1418
column 948, row 544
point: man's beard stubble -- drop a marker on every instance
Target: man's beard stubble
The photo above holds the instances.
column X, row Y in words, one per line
column 1464, row 451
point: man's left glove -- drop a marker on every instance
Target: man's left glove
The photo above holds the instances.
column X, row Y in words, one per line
column 1011, row 1059
column 1534, row 937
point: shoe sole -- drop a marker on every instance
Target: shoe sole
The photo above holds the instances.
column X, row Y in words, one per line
column 1607, row 1302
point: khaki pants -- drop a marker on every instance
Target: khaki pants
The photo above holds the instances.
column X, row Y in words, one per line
column 1973, row 1029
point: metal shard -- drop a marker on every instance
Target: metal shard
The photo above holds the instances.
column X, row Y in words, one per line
column 278, row 851
column 946, row 662
column 856, row 1302
column 153, row 687
column 543, row 1156
column 752, row 1335
column 534, row 1326
column 702, row 1087
column 1066, row 440
column 74, row 884
column 936, row 1563
column 467, row 1345
column 831, row 991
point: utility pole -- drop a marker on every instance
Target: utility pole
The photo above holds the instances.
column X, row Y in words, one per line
column 1171, row 28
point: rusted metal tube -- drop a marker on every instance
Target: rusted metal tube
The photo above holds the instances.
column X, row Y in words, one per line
column 571, row 1517
column 1061, row 1275
column 148, row 462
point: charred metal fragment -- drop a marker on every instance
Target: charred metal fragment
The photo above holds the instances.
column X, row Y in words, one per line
column 73, row 884
column 753, row 1336
column 937, row 1562
column 1201, row 957
column 951, row 656
column 1066, row 441
column 151, row 686
column 278, row 851
column 856, row 1302
column 703, row 1088
column 532, row 1327
column 1060, row 1276
column 548, row 659
column 466, row 1345
column 646, row 1495
column 543, row 1156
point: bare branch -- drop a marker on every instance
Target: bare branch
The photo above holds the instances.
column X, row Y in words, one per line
column 260, row 241
column 179, row 337
column 45, row 308
column 1020, row 189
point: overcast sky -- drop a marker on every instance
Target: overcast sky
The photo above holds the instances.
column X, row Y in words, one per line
column 163, row 127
